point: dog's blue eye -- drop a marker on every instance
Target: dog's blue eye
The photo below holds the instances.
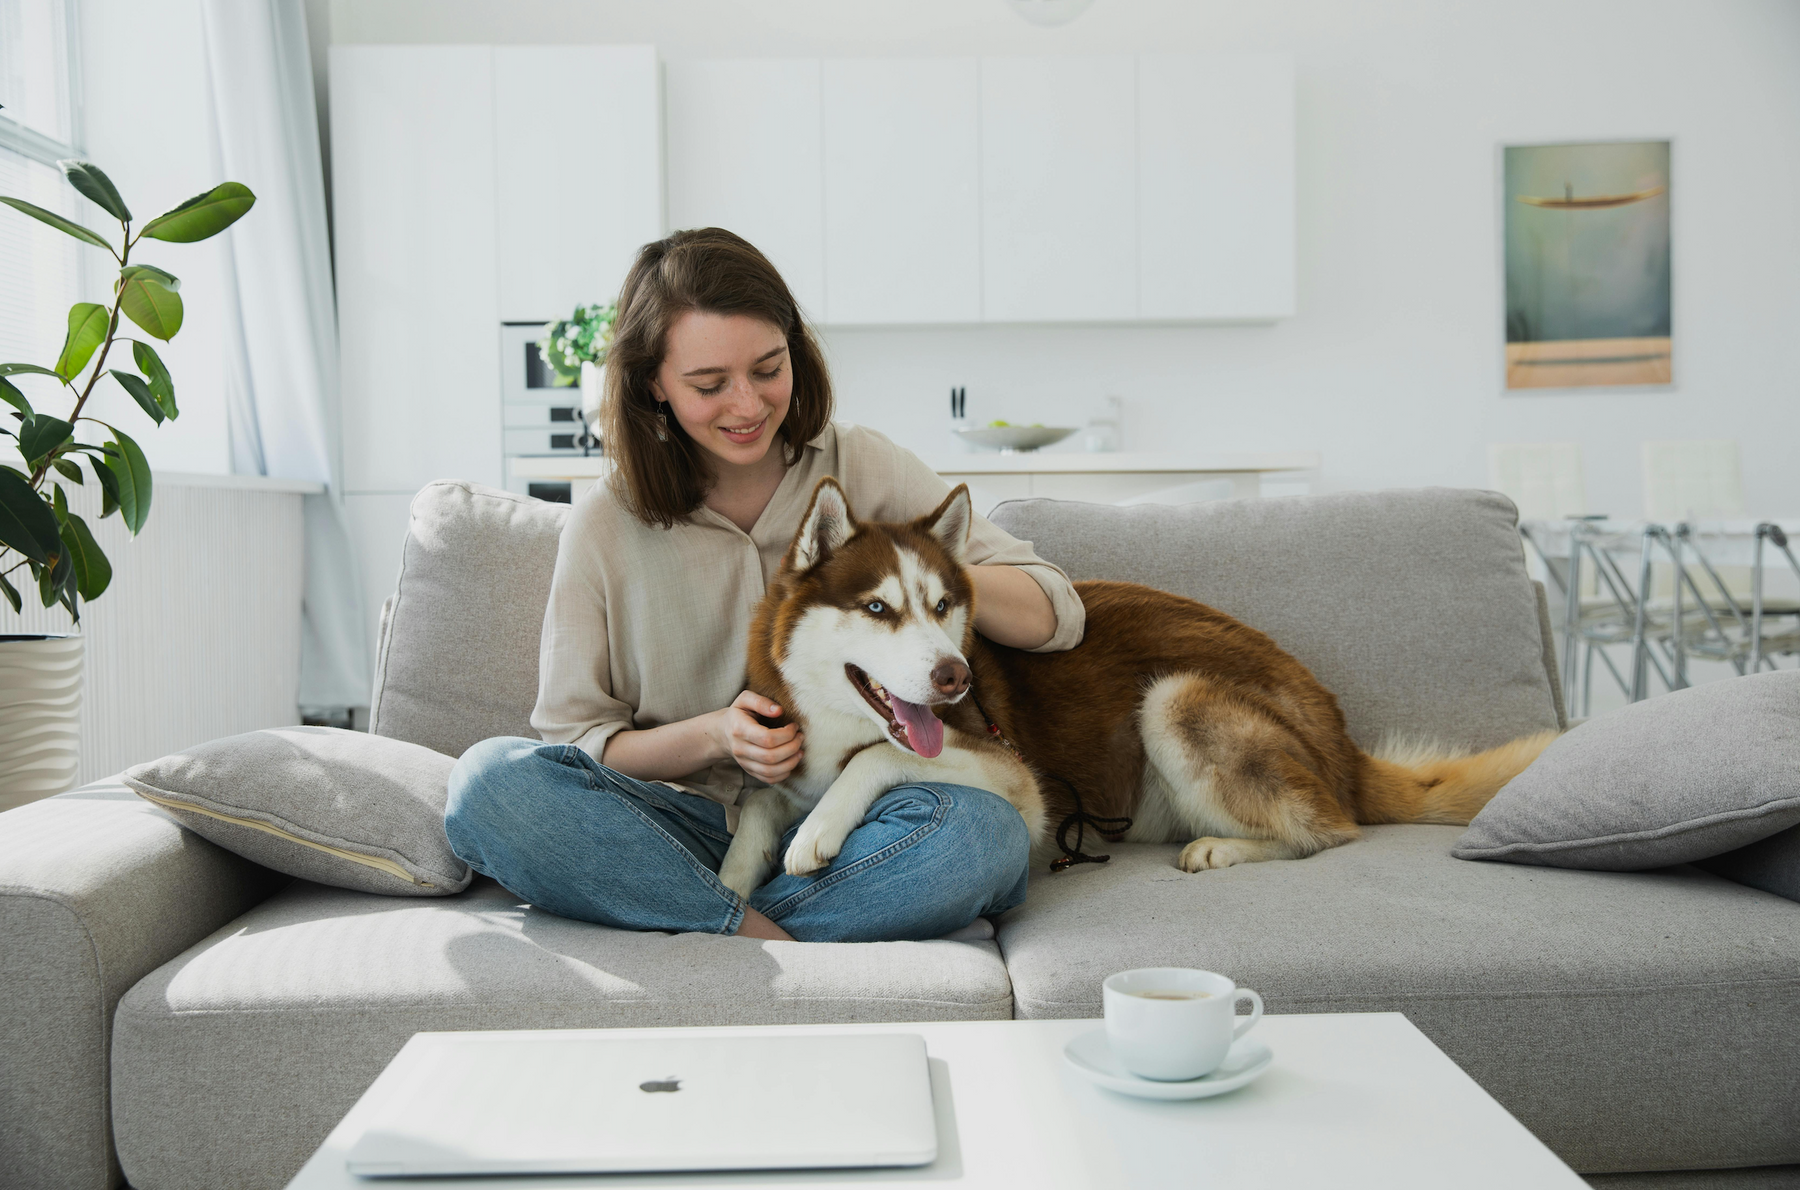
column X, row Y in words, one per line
column 877, row 606
column 943, row 605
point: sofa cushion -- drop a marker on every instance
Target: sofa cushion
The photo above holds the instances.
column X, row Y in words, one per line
column 1669, row 780
column 339, row 807
column 1413, row 607
column 1642, row 1020
column 458, row 657
column 231, row 1063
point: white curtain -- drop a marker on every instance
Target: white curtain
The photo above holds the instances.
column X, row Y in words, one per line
column 281, row 374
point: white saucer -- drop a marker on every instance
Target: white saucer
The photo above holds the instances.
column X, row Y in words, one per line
column 1092, row 1055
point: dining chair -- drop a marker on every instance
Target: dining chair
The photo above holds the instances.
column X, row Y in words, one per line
column 1687, row 483
column 1546, row 482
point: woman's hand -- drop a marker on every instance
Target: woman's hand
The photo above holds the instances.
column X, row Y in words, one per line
column 767, row 753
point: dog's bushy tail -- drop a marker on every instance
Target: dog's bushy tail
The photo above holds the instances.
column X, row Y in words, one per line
column 1413, row 782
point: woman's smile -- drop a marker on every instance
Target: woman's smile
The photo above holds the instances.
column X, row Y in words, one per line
column 743, row 435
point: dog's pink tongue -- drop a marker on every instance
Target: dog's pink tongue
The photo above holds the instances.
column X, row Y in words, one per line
column 924, row 730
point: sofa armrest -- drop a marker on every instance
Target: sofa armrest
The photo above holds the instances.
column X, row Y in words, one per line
column 97, row 889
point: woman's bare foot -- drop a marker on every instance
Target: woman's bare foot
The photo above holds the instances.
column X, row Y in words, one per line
column 755, row 925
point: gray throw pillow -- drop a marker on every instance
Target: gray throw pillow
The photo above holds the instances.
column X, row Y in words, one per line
column 1670, row 780
column 1771, row 864
column 338, row 807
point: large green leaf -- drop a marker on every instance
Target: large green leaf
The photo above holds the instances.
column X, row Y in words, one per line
column 151, row 305
column 133, row 474
column 202, row 215
column 109, row 487
column 140, row 392
column 12, row 396
column 56, row 221
column 41, row 434
column 15, row 369
column 52, row 579
column 92, row 570
column 166, row 279
column 86, row 177
column 26, row 522
column 87, row 330
column 161, row 384
column 12, row 594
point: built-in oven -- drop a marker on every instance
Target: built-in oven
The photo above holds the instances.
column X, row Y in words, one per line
column 541, row 415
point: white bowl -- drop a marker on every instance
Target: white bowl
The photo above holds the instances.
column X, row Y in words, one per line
column 1012, row 439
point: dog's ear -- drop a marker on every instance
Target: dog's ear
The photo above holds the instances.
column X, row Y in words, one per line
column 950, row 523
column 826, row 526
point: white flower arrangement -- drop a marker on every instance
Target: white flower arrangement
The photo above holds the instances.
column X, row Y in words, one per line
column 582, row 337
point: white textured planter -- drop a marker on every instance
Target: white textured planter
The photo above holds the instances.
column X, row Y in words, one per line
column 40, row 716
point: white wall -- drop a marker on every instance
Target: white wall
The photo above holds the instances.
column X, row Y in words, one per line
column 1392, row 367
column 199, row 635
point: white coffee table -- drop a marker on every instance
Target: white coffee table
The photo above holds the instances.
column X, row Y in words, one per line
column 1352, row 1100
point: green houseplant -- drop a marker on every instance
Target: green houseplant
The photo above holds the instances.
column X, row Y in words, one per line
column 38, row 531
column 41, row 535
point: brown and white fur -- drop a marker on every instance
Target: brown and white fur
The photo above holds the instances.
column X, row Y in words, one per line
column 1193, row 724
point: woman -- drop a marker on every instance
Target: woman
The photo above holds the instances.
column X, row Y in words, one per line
column 718, row 419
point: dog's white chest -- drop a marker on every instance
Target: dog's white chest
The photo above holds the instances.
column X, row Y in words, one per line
column 830, row 740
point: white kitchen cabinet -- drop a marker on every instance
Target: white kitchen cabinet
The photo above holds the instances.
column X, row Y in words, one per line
column 1059, row 228
column 578, row 155
column 412, row 153
column 1215, row 143
column 902, row 173
column 744, row 154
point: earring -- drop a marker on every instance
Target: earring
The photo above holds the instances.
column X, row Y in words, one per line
column 662, row 421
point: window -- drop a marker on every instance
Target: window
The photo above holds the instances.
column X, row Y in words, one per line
column 35, row 76
column 40, row 268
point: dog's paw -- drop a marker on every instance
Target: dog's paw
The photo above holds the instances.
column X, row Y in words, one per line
column 812, row 850
column 1203, row 854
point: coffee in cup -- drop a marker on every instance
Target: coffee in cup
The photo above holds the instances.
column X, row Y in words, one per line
column 1174, row 1023
column 1161, row 994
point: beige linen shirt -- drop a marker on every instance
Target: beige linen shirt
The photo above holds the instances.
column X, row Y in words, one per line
column 648, row 626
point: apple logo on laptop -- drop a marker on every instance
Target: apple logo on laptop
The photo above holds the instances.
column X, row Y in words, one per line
column 666, row 1084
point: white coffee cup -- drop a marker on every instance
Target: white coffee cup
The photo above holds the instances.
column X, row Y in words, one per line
column 1174, row 1023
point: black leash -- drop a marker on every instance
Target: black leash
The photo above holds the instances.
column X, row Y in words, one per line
column 1111, row 829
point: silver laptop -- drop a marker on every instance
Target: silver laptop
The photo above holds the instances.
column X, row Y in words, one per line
column 518, row 1102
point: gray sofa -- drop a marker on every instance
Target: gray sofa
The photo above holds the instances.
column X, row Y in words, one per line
column 171, row 1009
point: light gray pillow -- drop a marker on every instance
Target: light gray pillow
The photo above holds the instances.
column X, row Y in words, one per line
column 1670, row 780
column 338, row 807
column 1771, row 864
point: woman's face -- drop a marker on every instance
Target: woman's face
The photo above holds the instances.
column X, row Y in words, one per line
column 728, row 379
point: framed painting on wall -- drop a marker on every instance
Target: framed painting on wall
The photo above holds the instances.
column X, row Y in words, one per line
column 1586, row 250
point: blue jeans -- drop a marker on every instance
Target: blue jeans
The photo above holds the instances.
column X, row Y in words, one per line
column 567, row 834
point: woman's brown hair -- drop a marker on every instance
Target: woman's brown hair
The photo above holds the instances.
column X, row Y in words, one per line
column 660, row 472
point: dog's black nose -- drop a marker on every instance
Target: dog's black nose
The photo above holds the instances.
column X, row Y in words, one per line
column 951, row 677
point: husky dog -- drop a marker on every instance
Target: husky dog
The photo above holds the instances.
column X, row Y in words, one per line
column 1192, row 725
